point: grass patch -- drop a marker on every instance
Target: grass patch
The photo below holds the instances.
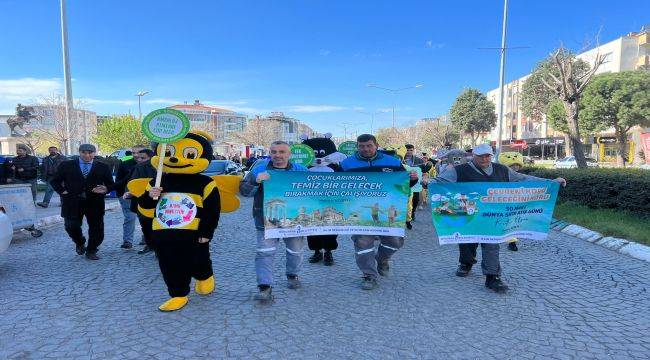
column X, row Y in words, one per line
column 620, row 224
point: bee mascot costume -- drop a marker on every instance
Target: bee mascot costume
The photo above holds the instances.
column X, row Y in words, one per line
column 185, row 214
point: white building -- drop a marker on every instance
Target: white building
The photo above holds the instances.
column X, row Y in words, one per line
column 221, row 123
column 630, row 52
column 51, row 126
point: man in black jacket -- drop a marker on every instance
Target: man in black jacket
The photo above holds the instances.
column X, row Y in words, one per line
column 143, row 170
column 23, row 169
column 48, row 170
column 82, row 184
column 121, row 179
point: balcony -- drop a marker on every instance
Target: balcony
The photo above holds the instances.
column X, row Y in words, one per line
column 643, row 62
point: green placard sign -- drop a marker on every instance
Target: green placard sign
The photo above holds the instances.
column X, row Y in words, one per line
column 165, row 125
column 302, row 154
column 348, row 147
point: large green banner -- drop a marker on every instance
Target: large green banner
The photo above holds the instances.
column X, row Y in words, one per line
column 307, row 203
column 492, row 212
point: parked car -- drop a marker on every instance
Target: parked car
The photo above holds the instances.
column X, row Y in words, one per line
column 223, row 167
column 569, row 162
column 6, row 230
column 528, row 160
column 119, row 153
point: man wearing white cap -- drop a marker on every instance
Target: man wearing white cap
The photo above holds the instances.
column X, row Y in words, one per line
column 482, row 169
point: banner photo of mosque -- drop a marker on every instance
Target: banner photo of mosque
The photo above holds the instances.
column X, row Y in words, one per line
column 309, row 203
column 492, row 212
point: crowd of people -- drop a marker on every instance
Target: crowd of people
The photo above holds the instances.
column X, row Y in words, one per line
column 84, row 182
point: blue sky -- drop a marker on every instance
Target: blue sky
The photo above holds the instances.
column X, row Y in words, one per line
column 309, row 59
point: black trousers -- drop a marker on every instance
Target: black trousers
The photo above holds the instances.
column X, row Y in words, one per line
column 95, row 222
column 182, row 260
column 415, row 202
column 145, row 224
column 467, row 253
column 322, row 242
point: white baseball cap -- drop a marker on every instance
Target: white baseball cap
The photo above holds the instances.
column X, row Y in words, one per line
column 483, row 149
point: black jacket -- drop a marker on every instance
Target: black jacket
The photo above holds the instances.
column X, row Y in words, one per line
column 123, row 175
column 28, row 163
column 141, row 171
column 50, row 165
column 69, row 178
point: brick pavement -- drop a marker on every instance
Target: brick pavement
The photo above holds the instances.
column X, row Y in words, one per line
column 568, row 299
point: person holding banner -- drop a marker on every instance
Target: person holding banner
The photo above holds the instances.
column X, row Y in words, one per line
column 482, row 169
column 253, row 185
column 372, row 264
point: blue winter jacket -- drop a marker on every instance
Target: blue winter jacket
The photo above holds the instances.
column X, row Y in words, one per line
column 250, row 187
column 381, row 162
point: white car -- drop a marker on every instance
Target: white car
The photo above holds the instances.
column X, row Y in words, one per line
column 569, row 162
column 6, row 231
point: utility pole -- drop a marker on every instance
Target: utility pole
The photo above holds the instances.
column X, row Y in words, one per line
column 140, row 94
column 502, row 74
column 69, row 108
column 372, row 118
column 394, row 91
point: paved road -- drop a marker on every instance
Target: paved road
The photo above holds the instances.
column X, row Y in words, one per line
column 569, row 299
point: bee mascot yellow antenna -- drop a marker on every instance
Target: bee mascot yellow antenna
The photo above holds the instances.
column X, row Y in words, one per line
column 185, row 214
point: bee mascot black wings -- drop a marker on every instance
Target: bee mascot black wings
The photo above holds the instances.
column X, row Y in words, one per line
column 185, row 214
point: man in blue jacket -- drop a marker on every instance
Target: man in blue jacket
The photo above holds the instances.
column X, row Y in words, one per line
column 252, row 185
column 372, row 264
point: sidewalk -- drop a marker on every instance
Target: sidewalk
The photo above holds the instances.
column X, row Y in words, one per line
column 52, row 214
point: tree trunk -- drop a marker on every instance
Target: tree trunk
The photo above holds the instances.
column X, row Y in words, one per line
column 571, row 110
column 621, row 137
column 568, row 151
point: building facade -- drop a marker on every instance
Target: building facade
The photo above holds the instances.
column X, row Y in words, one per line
column 286, row 128
column 221, row 123
column 49, row 129
column 536, row 138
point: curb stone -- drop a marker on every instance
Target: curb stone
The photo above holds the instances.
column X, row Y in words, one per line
column 55, row 219
column 622, row 246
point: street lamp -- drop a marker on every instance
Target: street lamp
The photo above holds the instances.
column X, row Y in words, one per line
column 140, row 94
column 394, row 91
column 69, row 108
column 345, row 127
column 372, row 117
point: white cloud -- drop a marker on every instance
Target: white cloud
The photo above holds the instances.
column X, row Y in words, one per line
column 225, row 103
column 28, row 89
column 397, row 109
column 324, row 52
column 432, row 45
column 162, row 101
column 92, row 101
column 314, row 108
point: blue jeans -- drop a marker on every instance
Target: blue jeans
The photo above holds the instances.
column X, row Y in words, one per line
column 265, row 257
column 48, row 192
column 128, row 227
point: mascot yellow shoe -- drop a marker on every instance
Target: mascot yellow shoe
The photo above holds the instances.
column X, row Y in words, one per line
column 174, row 304
column 204, row 287
column 186, row 211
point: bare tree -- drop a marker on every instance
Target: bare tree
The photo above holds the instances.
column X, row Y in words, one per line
column 567, row 85
column 391, row 136
column 259, row 132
